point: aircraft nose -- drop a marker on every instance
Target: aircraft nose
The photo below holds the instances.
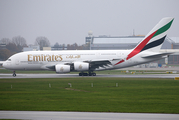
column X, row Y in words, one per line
column 4, row 65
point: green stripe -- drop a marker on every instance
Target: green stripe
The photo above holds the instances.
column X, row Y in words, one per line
column 163, row 29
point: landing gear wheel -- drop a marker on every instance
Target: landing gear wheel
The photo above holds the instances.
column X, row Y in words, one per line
column 90, row 74
column 87, row 74
column 94, row 74
column 14, row 74
column 80, row 74
column 83, row 74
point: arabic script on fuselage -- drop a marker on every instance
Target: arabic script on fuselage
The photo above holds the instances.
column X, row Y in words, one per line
column 73, row 56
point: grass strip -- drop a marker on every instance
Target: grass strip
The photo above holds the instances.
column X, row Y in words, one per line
column 131, row 95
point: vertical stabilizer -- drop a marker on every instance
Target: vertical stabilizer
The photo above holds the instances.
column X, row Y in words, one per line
column 154, row 39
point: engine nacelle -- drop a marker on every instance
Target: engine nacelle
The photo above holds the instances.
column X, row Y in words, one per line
column 62, row 68
column 81, row 66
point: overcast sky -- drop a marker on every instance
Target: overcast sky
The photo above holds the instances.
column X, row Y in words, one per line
column 68, row 21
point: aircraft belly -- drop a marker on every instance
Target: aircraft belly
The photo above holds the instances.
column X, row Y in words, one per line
column 27, row 66
column 34, row 67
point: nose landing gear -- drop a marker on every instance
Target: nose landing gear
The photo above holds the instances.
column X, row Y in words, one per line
column 14, row 74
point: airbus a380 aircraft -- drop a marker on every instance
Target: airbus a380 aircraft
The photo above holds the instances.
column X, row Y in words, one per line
column 88, row 61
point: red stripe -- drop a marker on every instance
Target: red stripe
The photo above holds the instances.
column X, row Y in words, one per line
column 140, row 46
column 119, row 62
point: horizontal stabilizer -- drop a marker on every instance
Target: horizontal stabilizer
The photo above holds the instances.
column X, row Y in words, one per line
column 157, row 55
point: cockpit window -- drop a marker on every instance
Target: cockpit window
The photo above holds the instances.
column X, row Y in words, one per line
column 9, row 60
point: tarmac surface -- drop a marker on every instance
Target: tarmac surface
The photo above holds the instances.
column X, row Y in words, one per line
column 151, row 75
column 98, row 75
column 41, row 115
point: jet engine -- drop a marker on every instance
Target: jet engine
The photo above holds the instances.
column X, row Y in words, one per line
column 62, row 68
column 81, row 66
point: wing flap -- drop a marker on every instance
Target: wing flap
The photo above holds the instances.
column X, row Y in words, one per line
column 96, row 63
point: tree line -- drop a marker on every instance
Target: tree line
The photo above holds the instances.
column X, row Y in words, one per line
column 18, row 43
column 11, row 46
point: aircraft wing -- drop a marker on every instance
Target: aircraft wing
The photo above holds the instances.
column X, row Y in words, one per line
column 157, row 55
column 95, row 63
column 99, row 63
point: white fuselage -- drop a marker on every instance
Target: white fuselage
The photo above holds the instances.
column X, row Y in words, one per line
column 40, row 60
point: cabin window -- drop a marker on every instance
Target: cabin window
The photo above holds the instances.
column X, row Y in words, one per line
column 9, row 60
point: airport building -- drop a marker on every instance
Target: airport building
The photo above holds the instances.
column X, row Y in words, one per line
column 59, row 47
column 114, row 43
column 31, row 48
column 125, row 42
column 2, row 46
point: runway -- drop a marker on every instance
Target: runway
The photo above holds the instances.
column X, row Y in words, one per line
column 41, row 115
column 98, row 75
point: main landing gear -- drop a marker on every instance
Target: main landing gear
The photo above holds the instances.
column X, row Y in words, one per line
column 87, row 74
column 14, row 74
